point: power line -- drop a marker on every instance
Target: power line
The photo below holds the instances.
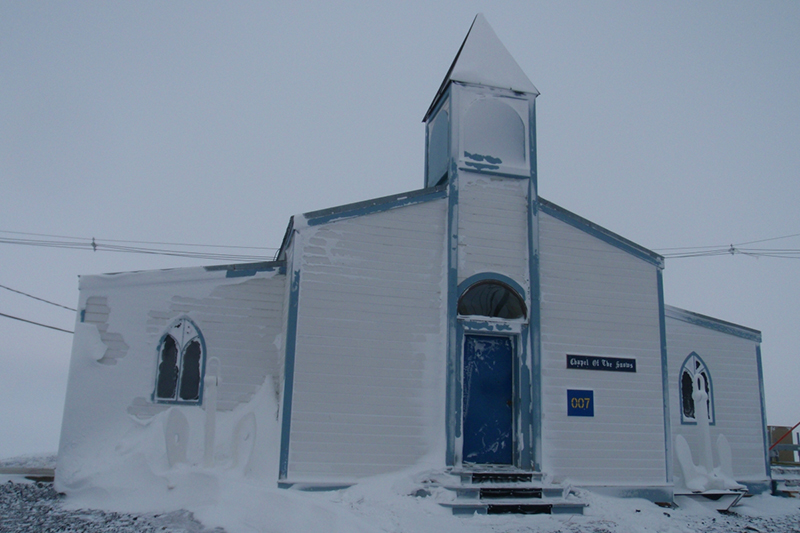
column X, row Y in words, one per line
column 36, row 298
column 95, row 245
column 36, row 323
column 144, row 242
column 734, row 249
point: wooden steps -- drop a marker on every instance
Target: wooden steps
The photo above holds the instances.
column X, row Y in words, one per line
column 505, row 492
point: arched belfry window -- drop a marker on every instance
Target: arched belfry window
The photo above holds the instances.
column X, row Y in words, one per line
column 694, row 371
column 491, row 298
column 181, row 364
column 494, row 134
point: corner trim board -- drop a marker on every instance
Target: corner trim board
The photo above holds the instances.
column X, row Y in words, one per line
column 288, row 380
column 662, row 327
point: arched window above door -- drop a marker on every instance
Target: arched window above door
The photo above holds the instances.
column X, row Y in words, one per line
column 491, row 298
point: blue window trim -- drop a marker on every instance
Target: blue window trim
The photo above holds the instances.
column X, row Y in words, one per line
column 687, row 421
column 204, row 358
column 490, row 276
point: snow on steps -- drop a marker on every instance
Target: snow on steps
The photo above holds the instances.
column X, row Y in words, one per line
column 502, row 492
column 786, row 480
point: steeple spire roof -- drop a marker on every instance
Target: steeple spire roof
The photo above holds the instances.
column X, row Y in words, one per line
column 483, row 60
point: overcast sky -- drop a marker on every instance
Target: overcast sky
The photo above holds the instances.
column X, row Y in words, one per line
column 674, row 124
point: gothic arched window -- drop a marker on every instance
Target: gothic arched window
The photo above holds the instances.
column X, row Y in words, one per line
column 181, row 364
column 493, row 299
column 693, row 371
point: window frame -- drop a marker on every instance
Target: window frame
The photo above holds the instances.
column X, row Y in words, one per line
column 693, row 366
column 183, row 346
column 513, row 292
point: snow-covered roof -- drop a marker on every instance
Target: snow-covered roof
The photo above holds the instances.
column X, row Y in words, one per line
column 483, row 60
column 712, row 323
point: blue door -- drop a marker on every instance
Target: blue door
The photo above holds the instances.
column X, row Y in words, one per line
column 488, row 408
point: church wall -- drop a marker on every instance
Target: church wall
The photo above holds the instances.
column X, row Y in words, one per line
column 122, row 319
column 598, row 300
column 732, row 362
column 368, row 375
column 493, row 227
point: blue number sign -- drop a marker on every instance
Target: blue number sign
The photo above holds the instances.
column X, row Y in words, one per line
column 580, row 403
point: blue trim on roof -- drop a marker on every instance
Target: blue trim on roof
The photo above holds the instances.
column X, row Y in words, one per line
column 713, row 323
column 601, row 233
column 662, row 328
column 288, row 373
column 249, row 269
column 445, row 85
column 762, row 397
column 280, row 255
column 376, row 205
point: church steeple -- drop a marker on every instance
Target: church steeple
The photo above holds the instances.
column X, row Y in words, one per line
column 481, row 118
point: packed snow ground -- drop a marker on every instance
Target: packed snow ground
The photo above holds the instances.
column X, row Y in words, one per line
column 381, row 504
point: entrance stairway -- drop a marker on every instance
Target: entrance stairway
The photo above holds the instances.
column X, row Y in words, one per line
column 503, row 492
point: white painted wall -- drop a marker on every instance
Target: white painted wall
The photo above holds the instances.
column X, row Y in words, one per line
column 493, row 227
column 111, row 383
column 599, row 300
column 733, row 366
column 369, row 378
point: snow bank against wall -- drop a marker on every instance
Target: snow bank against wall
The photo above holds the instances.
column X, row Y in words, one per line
column 598, row 300
column 368, row 389
column 728, row 353
column 113, row 414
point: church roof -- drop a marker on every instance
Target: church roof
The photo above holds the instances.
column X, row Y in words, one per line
column 483, row 60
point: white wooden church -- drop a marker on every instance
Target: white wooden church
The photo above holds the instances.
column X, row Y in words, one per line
column 468, row 328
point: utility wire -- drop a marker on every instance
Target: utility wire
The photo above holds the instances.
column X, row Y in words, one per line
column 36, row 298
column 95, row 245
column 733, row 249
column 36, row 323
column 145, row 242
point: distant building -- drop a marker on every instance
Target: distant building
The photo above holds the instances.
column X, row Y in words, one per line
column 468, row 327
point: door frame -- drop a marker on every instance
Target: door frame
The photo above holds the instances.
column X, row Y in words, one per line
column 514, row 342
column 521, row 395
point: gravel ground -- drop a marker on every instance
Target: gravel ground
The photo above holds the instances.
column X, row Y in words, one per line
column 36, row 508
